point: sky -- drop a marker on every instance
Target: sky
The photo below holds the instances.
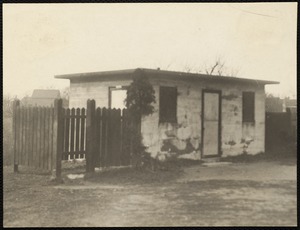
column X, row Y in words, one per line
column 254, row 40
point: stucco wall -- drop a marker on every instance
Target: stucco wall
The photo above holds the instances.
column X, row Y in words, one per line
column 185, row 136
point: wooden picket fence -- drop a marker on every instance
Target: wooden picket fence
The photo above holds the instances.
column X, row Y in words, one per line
column 44, row 136
column 34, row 136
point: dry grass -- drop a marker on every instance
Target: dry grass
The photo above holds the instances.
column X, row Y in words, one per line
column 145, row 199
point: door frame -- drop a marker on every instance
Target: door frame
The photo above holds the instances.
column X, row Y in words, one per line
column 219, row 92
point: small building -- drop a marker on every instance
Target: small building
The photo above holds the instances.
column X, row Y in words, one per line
column 208, row 116
column 43, row 97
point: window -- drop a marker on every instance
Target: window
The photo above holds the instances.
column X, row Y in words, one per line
column 117, row 95
column 168, row 104
column 248, row 106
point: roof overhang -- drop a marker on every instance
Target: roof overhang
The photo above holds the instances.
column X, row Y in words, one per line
column 104, row 75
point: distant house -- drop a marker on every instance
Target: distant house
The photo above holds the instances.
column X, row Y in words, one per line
column 209, row 116
column 43, row 97
column 276, row 104
column 290, row 103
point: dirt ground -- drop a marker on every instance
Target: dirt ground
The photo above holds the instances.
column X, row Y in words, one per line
column 238, row 194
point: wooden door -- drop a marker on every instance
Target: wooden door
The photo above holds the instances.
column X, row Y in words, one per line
column 211, row 123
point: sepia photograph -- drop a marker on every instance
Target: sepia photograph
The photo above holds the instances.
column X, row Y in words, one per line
column 149, row 114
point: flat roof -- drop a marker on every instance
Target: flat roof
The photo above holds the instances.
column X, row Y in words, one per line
column 175, row 74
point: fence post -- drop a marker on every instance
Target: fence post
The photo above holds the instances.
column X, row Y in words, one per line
column 90, row 136
column 57, row 137
column 16, row 103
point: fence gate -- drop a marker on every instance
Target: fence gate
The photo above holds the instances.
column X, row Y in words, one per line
column 109, row 140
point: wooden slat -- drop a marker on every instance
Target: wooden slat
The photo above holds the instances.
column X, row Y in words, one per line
column 46, row 155
column 42, row 138
column 124, row 139
column 39, row 114
column 77, row 132
column 90, row 136
column 28, row 136
column 30, row 131
column 39, row 139
column 63, row 131
column 34, row 124
column 109, row 139
column 25, row 137
column 30, row 120
column 20, row 135
column 67, row 133
column 54, row 138
column 64, row 120
column 72, row 132
column 82, row 131
column 58, row 112
column 104, row 134
column 22, row 141
column 27, row 142
column 15, row 160
column 116, row 137
column 34, row 136
column 17, row 132
column 97, row 132
column 101, row 144
column 51, row 110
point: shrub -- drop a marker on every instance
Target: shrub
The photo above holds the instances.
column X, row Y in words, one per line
column 140, row 96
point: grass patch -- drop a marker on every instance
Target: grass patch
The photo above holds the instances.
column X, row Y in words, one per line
column 169, row 171
column 172, row 170
column 283, row 158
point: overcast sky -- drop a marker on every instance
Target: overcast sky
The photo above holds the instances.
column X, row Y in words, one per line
column 42, row 40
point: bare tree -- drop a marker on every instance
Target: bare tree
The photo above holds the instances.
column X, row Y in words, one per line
column 217, row 68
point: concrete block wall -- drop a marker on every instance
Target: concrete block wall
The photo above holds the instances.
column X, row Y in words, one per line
column 80, row 92
column 185, row 136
